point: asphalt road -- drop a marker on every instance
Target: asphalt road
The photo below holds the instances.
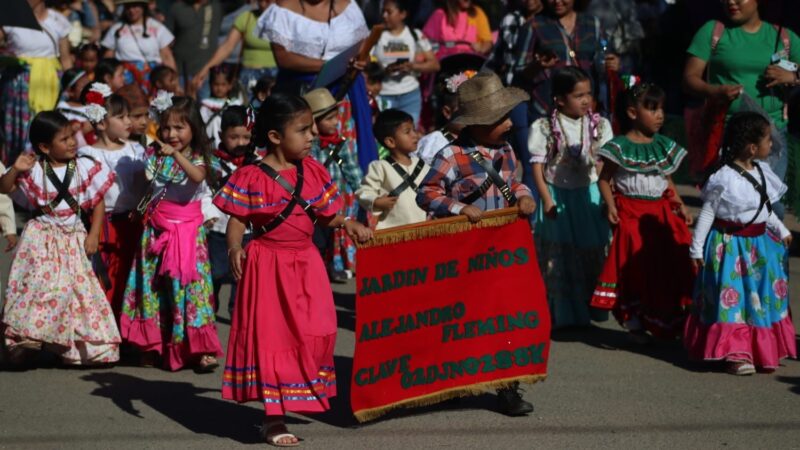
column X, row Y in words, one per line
column 601, row 392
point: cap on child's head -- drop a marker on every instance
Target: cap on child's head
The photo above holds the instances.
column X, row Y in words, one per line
column 483, row 100
column 387, row 123
column 321, row 102
column 134, row 95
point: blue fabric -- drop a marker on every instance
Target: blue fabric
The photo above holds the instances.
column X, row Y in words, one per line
column 520, row 131
column 410, row 103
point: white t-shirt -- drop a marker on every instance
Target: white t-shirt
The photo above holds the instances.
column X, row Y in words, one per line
column 390, row 49
column 38, row 44
column 134, row 46
column 307, row 37
column 128, row 165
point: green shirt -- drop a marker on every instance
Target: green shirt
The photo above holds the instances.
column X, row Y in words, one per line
column 741, row 58
column 257, row 52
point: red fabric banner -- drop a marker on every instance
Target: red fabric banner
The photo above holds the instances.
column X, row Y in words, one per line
column 447, row 309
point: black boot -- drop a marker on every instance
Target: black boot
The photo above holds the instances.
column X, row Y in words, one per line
column 510, row 402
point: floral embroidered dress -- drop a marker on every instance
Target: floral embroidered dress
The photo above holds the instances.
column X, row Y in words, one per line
column 347, row 175
column 53, row 295
column 741, row 304
column 168, row 303
column 647, row 278
column 280, row 350
column 572, row 245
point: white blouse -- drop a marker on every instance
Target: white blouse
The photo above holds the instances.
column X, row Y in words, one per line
column 729, row 196
column 640, row 184
column 128, row 164
column 318, row 40
column 131, row 45
column 39, row 44
column 562, row 169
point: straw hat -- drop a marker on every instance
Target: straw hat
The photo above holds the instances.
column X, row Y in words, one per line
column 321, row 102
column 483, row 100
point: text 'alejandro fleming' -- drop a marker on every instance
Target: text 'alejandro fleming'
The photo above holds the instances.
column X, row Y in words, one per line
column 492, row 259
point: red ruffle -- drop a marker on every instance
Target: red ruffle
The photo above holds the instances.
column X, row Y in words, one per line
column 35, row 193
column 761, row 346
column 147, row 336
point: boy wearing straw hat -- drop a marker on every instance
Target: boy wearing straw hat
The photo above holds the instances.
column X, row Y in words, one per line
column 476, row 173
column 332, row 150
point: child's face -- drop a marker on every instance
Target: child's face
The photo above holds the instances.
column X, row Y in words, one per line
column 169, row 83
column 221, row 87
column 578, row 102
column 176, row 132
column 116, row 128
column 393, row 17
column 64, row 146
column 647, row 120
column 404, row 139
column 88, row 60
column 138, row 118
column 764, row 147
column 374, row 87
column 294, row 141
column 117, row 80
column 491, row 135
column 327, row 125
column 236, row 140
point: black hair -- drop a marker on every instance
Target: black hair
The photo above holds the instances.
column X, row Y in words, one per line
column 71, row 76
column 89, row 46
column 188, row 110
column 233, row 116
column 743, row 129
column 408, row 6
column 106, row 67
column 145, row 16
column 578, row 6
column 115, row 104
column 160, row 73
column 276, row 111
column 44, row 128
column 564, row 80
column 264, row 84
column 226, row 70
column 375, row 72
column 387, row 123
column 648, row 95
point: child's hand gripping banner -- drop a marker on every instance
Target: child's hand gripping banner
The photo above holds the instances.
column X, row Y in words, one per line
column 447, row 309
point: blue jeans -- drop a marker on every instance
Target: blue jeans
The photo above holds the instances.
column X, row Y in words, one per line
column 410, row 103
column 521, row 120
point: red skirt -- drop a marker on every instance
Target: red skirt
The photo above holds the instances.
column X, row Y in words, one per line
column 119, row 242
column 648, row 275
column 280, row 350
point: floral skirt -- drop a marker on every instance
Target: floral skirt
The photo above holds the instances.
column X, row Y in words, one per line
column 741, row 305
column 54, row 297
column 158, row 314
column 571, row 248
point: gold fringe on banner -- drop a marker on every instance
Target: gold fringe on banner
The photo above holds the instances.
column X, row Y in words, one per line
column 440, row 227
column 437, row 397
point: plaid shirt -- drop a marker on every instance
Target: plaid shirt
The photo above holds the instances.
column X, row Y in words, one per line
column 543, row 34
column 505, row 55
column 348, row 174
column 454, row 175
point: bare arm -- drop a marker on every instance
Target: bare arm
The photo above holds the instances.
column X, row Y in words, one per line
column 167, row 58
column 429, row 64
column 8, row 182
column 687, row 216
column 604, row 184
column 293, row 61
column 694, row 82
column 98, row 214
column 233, row 236
column 541, row 186
column 64, row 54
column 223, row 51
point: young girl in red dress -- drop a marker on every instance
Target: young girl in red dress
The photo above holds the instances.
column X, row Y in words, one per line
column 280, row 350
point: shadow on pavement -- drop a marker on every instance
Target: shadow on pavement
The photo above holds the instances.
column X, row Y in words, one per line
column 794, row 381
column 184, row 404
column 608, row 339
column 346, row 311
column 341, row 413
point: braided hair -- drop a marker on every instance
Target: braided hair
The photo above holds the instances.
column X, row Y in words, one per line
column 648, row 95
column 743, row 129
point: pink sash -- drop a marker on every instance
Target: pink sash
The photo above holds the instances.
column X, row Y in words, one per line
column 177, row 243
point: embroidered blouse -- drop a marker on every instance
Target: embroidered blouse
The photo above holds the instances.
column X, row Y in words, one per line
column 643, row 168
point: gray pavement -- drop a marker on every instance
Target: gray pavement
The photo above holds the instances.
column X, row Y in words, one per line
column 601, row 392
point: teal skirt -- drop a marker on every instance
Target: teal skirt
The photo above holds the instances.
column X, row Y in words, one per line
column 572, row 248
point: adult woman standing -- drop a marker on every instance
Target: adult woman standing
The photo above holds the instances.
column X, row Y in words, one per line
column 257, row 59
column 735, row 58
column 459, row 27
column 35, row 86
column 139, row 41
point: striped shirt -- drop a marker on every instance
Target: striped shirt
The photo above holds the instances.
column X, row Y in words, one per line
column 454, row 175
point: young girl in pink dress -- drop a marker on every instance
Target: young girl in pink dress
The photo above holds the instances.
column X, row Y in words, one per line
column 54, row 300
column 280, row 350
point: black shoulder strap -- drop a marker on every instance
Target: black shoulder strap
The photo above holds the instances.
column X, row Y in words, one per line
column 494, row 176
column 296, row 200
column 760, row 188
column 62, row 188
column 408, row 180
column 333, row 155
column 487, row 183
